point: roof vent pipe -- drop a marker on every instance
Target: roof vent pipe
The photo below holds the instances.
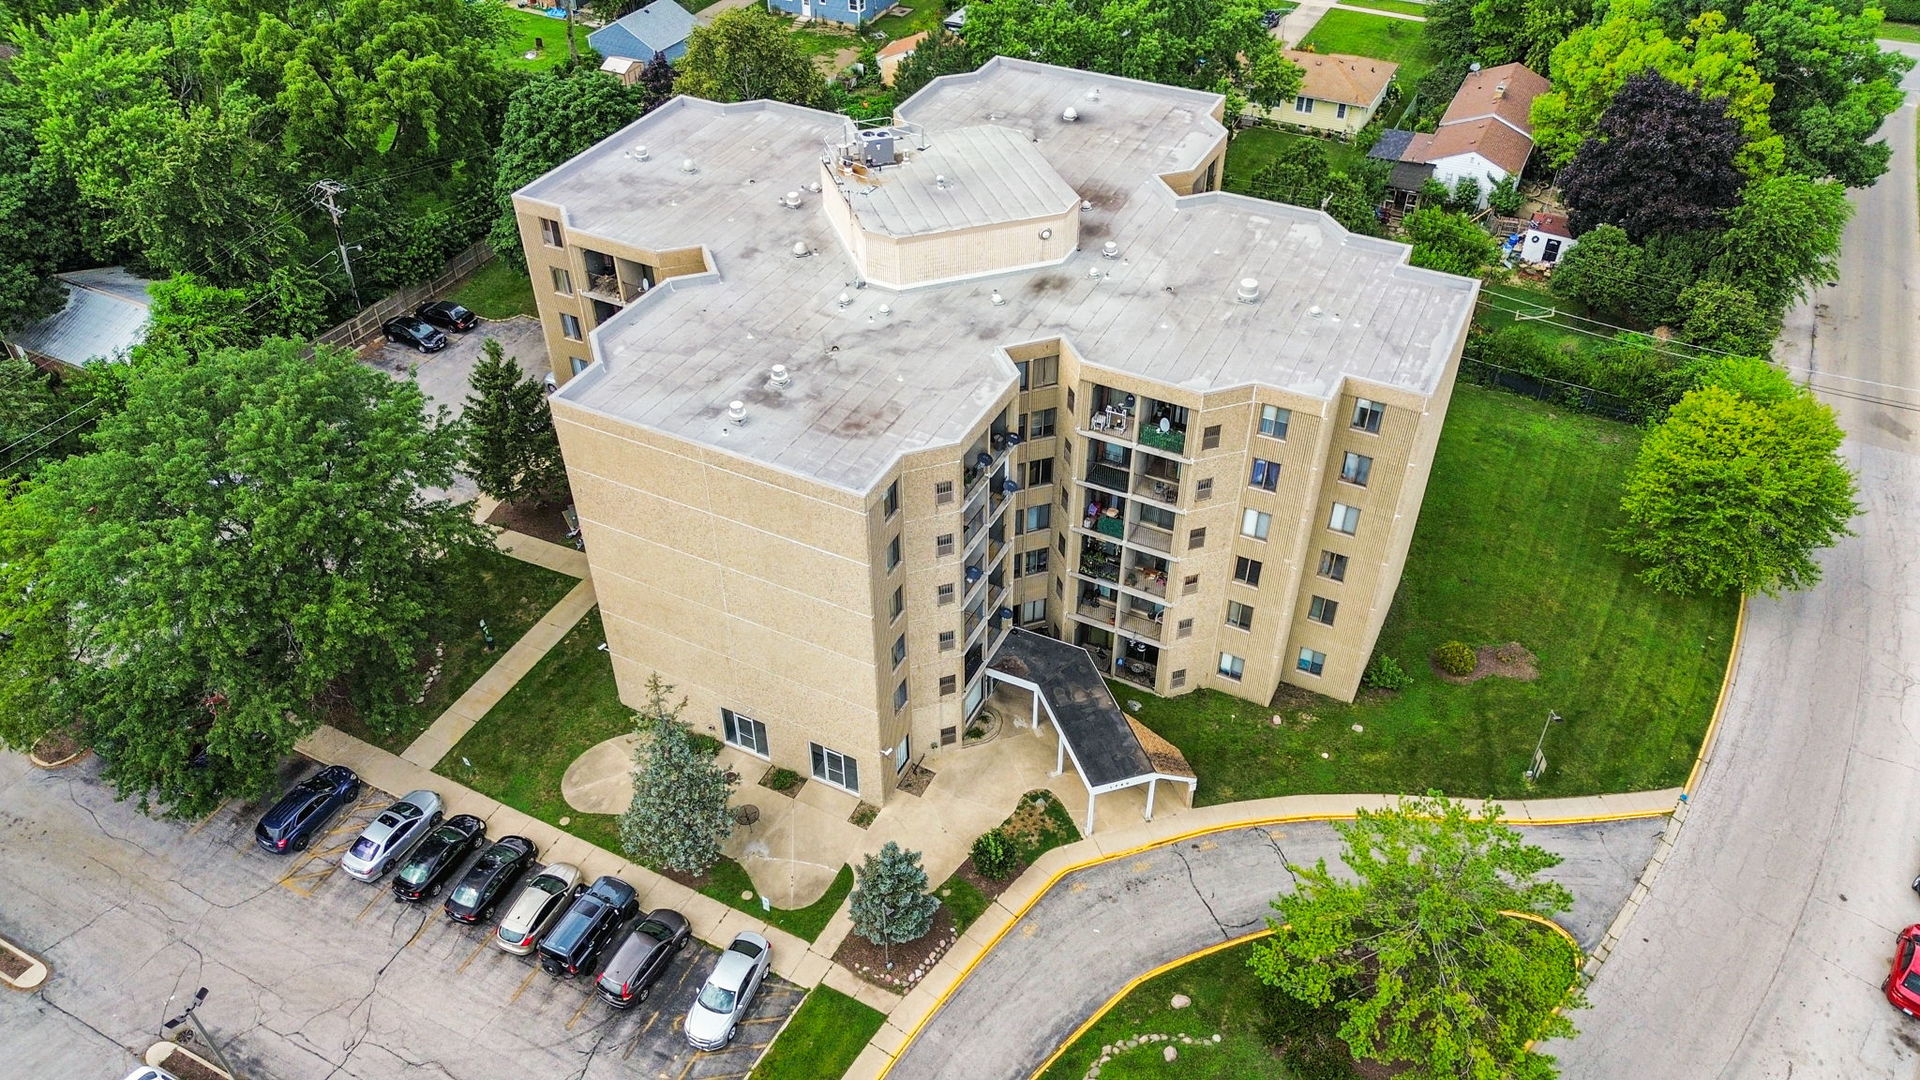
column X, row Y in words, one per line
column 791, row 200
column 997, row 300
column 780, row 377
column 1314, row 311
column 1093, row 94
column 737, row 411
column 1070, row 115
column 638, row 153
column 1249, row 291
column 940, row 181
column 845, row 299
column 1109, row 250
column 801, row 250
column 687, row 166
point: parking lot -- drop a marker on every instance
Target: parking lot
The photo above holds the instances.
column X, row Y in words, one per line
column 312, row 974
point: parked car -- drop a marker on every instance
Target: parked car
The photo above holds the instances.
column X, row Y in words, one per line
column 149, row 1072
column 410, row 330
column 383, row 844
column 437, row 857
column 577, row 940
column 643, row 956
column 540, row 902
column 489, row 879
column 1903, row 982
column 301, row 813
column 447, row 315
column 728, row 993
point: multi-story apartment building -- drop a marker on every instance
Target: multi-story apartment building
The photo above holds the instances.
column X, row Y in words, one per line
column 844, row 407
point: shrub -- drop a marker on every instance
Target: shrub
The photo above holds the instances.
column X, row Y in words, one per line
column 1385, row 673
column 1455, row 658
column 993, row 855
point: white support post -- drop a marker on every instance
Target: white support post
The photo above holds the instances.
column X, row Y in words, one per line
column 1152, row 785
column 1192, row 786
column 1036, row 712
column 1090, row 797
column 1059, row 750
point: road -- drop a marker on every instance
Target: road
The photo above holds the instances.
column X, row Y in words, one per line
column 1099, row 927
column 317, row 977
column 1759, row 953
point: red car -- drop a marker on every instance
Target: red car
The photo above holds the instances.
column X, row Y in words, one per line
column 1903, row 984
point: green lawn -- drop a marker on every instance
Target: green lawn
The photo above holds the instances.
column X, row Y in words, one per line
column 1893, row 31
column 566, row 704
column 1509, row 302
column 1359, row 34
column 1511, row 546
column 1403, row 7
column 551, row 33
column 966, row 902
column 1253, row 149
column 510, row 595
column 827, row 1032
column 926, row 16
column 498, row 290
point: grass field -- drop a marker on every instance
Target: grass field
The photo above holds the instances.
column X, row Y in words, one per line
column 1253, row 149
column 498, row 290
column 1508, row 303
column 1511, row 546
column 826, row 1033
column 926, row 15
column 1402, row 7
column 1894, row 31
column 529, row 26
column 566, row 704
column 1359, row 34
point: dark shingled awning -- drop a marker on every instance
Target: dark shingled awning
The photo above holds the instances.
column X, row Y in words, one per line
column 1097, row 732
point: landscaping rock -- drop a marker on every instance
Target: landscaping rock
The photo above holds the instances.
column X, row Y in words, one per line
column 1216, row 1036
column 1169, row 1054
column 1180, row 1001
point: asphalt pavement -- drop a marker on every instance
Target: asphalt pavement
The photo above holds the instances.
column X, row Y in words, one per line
column 312, row 975
column 1761, row 947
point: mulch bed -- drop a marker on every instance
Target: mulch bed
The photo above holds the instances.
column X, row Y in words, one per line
column 187, row 1068
column 1510, row 661
column 58, row 748
column 12, row 964
column 864, row 814
column 991, row 888
column 535, row 519
column 792, row 790
column 911, row 961
column 915, row 780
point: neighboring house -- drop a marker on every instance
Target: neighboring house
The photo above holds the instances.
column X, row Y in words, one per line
column 105, row 316
column 1545, row 239
column 893, row 53
column 868, row 426
column 1486, row 134
column 660, row 27
column 956, row 20
column 850, row 12
column 1337, row 93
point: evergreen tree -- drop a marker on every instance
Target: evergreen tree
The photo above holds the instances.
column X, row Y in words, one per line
column 510, row 448
column 890, row 904
column 679, row 812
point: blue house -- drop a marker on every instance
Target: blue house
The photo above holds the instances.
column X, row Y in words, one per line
column 660, row 27
column 850, row 12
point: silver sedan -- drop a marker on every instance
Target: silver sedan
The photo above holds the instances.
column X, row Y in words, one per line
column 384, row 843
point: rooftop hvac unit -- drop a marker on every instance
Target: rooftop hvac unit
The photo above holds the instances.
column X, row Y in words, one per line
column 876, row 147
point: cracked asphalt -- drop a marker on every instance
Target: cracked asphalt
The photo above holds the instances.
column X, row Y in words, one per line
column 1099, row 927
column 312, row 975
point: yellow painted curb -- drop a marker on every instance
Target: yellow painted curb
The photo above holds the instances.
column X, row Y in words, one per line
column 1720, row 704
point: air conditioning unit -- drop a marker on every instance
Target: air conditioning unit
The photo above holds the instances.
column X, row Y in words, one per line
column 876, row 147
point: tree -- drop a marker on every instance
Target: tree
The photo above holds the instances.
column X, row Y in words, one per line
column 38, row 208
column 550, row 118
column 657, row 79
column 196, row 319
column 746, row 54
column 890, row 903
column 1603, row 272
column 1661, row 160
column 1726, row 318
column 1505, row 198
column 939, row 53
column 1737, row 489
column 509, row 446
column 1450, row 242
column 1784, row 237
column 1417, row 952
column 245, row 550
column 678, row 816
column 1832, row 84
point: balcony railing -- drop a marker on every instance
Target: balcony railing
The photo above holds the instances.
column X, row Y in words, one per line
column 1173, row 440
column 1136, row 671
column 1107, row 476
column 1151, row 536
column 1147, row 580
column 1097, row 607
column 1157, row 489
column 1140, row 624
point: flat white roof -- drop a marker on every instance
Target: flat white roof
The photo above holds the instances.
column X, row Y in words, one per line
column 985, row 175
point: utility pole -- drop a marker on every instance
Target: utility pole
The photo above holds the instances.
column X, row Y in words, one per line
column 325, row 195
column 189, row 1017
column 1539, row 763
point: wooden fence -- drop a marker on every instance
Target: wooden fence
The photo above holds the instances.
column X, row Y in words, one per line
column 358, row 329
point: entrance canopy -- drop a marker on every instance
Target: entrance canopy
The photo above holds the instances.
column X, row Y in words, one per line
column 1110, row 750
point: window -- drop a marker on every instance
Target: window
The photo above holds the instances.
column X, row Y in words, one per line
column 1034, row 562
column 1355, row 468
column 898, row 605
column 1196, row 538
column 550, row 233
column 1344, row 519
column 1232, row 666
column 1339, row 108
column 1203, row 489
column 1246, row 571
column 893, row 554
column 1039, row 424
column 1210, row 437
column 948, row 684
column 899, row 649
column 890, row 503
column 1036, row 518
column 1033, row 611
column 835, row 768
column 1040, row 472
column 1367, row 414
column 1178, row 679
column 570, row 326
column 1184, row 628
column 1255, row 524
column 1190, row 584
column 1061, row 543
column 1266, row 475
column 1069, row 399
column 577, row 363
column 1239, row 616
column 947, row 639
column 1303, row 104
column 1333, row 565
column 859, row 6
column 900, row 696
column 944, row 594
column 943, row 545
column 1039, row 373
column 744, row 732
column 943, row 492
column 1321, row 610
column 1311, row 662
column 1274, row 421
column 562, row 281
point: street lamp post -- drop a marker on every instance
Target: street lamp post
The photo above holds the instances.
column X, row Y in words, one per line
column 190, row 1017
column 1538, row 765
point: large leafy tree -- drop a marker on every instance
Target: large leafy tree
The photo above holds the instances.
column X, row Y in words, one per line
column 1660, row 161
column 1784, row 237
column 38, row 208
column 1449, row 241
column 1726, row 318
column 245, row 548
column 1832, row 84
column 890, row 904
column 1416, row 950
column 746, row 54
column 1504, row 31
column 550, row 118
column 1738, row 488
column 679, row 815
column 510, row 448
column 940, row 53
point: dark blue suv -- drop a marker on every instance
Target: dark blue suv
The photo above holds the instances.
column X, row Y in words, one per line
column 576, row 941
column 304, row 811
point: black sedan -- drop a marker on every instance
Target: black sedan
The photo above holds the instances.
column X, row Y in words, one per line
column 437, row 857
column 408, row 330
column 489, row 879
column 447, row 315
column 301, row 813
column 643, row 957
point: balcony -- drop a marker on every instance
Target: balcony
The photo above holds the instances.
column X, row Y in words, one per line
column 1159, row 480
column 1151, row 536
column 1100, row 561
column 1142, row 624
column 1147, row 578
column 1163, row 426
column 1096, row 607
column 1138, row 672
column 1111, row 477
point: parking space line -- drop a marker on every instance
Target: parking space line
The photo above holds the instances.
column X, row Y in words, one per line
column 378, row 894
column 477, row 949
column 524, row 983
column 634, row 1043
column 688, row 1067
column 761, row 1020
column 577, row 1013
column 205, row 821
